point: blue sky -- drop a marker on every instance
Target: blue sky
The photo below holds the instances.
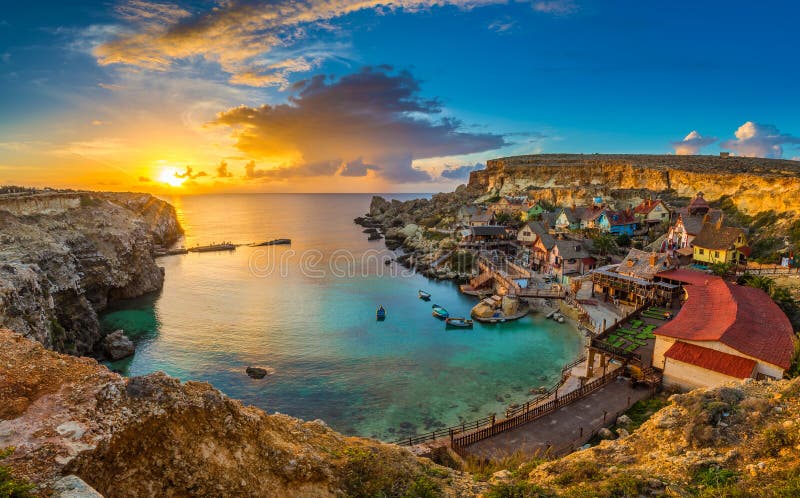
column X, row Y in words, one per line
column 131, row 93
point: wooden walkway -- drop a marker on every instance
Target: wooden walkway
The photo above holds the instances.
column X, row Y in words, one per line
column 563, row 430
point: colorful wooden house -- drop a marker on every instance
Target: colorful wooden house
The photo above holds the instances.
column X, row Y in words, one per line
column 617, row 222
column 720, row 244
column 651, row 212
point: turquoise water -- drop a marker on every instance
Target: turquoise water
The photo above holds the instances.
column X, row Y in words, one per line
column 308, row 311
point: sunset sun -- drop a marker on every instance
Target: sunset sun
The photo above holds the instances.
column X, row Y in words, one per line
column 170, row 177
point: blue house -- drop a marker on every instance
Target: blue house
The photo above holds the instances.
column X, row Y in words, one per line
column 617, row 222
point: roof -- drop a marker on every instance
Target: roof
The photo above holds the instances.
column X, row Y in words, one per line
column 724, row 363
column 488, row 231
column 647, row 205
column 549, row 219
column 547, row 241
column 686, row 276
column 536, row 227
column 694, row 223
column 485, row 216
column 617, row 218
column 698, row 203
column 744, row 318
column 571, row 249
column 570, row 213
column 591, row 213
column 715, row 236
column 638, row 264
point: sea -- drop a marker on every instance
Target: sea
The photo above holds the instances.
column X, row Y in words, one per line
column 307, row 312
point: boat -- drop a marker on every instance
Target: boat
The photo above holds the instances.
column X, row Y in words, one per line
column 380, row 314
column 425, row 296
column 440, row 312
column 276, row 242
column 459, row 323
column 227, row 246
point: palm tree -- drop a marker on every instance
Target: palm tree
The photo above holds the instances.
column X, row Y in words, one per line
column 759, row 282
column 604, row 243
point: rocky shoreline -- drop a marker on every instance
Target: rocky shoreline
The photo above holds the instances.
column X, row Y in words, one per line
column 64, row 257
column 411, row 227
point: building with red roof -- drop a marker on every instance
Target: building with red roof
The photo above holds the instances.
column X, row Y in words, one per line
column 723, row 332
column 652, row 212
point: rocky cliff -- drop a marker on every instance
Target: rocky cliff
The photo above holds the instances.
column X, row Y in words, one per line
column 153, row 436
column 755, row 185
column 65, row 256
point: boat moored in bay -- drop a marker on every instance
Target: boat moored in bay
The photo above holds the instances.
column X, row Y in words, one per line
column 380, row 314
column 458, row 323
column 439, row 312
column 425, row 296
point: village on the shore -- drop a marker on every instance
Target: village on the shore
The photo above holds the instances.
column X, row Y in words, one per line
column 666, row 291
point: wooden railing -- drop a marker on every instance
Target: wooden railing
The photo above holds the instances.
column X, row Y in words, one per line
column 532, row 413
column 446, row 432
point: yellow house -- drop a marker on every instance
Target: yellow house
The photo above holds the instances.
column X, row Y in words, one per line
column 720, row 244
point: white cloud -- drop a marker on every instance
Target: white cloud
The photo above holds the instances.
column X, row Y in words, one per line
column 245, row 38
column 692, row 143
column 557, row 7
column 759, row 140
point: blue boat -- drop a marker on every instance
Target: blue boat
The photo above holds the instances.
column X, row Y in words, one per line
column 380, row 315
column 440, row 312
column 425, row 296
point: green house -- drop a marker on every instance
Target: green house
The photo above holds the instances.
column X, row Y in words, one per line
column 534, row 212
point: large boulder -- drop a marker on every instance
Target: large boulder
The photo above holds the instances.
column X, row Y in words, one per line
column 117, row 345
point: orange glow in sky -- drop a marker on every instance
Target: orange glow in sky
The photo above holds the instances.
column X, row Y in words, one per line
column 169, row 175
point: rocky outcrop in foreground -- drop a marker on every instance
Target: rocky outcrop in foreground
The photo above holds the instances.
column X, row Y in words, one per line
column 153, row 436
column 754, row 184
column 65, row 256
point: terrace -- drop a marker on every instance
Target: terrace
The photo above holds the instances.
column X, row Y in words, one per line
column 633, row 338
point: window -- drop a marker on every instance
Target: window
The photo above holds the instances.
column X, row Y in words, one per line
column 716, row 254
column 702, row 251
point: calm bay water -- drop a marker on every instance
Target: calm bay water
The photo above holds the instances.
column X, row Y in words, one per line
column 308, row 311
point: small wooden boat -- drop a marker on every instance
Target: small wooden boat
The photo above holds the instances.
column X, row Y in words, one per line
column 458, row 323
column 425, row 296
column 380, row 314
column 440, row 312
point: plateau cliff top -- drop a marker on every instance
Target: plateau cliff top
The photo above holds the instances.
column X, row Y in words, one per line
column 700, row 163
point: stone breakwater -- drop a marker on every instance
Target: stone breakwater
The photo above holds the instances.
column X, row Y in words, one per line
column 154, row 436
column 754, row 184
column 65, row 256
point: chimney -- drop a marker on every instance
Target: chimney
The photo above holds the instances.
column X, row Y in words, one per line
column 705, row 218
column 653, row 258
column 719, row 221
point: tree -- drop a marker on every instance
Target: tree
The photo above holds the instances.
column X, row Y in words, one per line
column 624, row 240
column 604, row 244
column 720, row 269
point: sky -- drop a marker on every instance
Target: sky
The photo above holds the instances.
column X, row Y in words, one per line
column 365, row 96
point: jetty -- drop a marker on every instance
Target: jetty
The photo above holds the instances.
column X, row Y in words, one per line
column 276, row 242
column 225, row 246
column 506, row 274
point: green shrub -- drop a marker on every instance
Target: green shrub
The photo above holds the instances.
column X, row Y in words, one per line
column 776, row 437
column 367, row 473
column 11, row 486
column 715, row 476
column 582, row 470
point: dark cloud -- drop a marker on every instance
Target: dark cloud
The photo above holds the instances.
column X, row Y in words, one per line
column 189, row 175
column 222, row 170
column 461, row 172
column 322, row 168
column 375, row 117
column 760, row 140
column 357, row 168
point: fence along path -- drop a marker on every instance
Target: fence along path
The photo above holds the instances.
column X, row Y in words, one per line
column 530, row 413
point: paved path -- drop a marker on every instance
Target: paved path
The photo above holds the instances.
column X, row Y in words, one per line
column 562, row 429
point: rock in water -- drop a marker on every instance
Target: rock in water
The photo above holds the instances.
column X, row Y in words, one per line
column 118, row 345
column 259, row 372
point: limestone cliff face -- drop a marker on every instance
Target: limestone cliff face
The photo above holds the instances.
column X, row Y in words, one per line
column 153, row 436
column 754, row 184
column 65, row 256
